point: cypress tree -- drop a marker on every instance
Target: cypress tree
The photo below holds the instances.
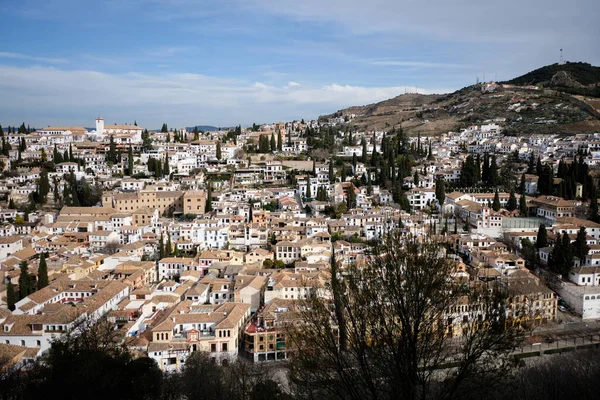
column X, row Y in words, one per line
column 169, row 246
column 161, row 247
column 331, row 172
column 580, row 246
column 11, row 296
column 351, row 198
column 485, row 169
column 25, row 280
column 493, row 171
column 364, row 151
column 308, row 193
column 71, row 158
column 130, row 161
column 512, row 201
column 158, row 169
column 531, row 164
column 43, row 186
column 273, row 144
column 279, row 141
column 208, row 206
column 440, row 191
column 42, row 272
column 593, row 210
column 542, row 237
column 522, row 206
column 219, row 150
column 166, row 168
column 496, row 203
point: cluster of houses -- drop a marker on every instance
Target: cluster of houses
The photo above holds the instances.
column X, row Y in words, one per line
column 218, row 253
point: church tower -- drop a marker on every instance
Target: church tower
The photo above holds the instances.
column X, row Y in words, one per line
column 99, row 125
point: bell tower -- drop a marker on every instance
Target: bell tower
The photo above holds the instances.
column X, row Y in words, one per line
column 99, row 125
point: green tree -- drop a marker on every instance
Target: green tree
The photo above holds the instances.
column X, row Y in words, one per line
column 11, row 296
column 166, row 169
column 308, row 194
column 130, row 161
column 542, row 237
column 416, row 178
column 511, row 205
column 440, row 191
column 208, row 206
column 43, row 186
column 496, row 203
column 365, row 153
column 351, row 198
column 468, row 172
column 494, row 179
column 593, row 210
column 168, row 246
column 164, row 128
column 331, row 172
column 219, row 150
column 161, row 247
column 279, row 141
column 42, row 272
column 522, row 184
column 26, row 280
column 580, row 246
column 273, row 144
column 523, row 206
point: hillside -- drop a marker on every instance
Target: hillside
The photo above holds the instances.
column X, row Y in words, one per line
column 551, row 107
column 576, row 78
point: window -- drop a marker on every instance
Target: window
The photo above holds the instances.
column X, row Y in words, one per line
column 224, row 346
column 213, row 347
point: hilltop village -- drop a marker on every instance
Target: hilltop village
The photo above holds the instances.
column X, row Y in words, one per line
column 190, row 240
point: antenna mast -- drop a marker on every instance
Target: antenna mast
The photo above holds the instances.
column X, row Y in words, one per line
column 561, row 57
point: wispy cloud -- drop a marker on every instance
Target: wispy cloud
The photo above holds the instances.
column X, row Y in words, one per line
column 415, row 64
column 19, row 56
column 180, row 98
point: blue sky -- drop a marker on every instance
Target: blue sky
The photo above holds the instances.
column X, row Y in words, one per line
column 187, row 62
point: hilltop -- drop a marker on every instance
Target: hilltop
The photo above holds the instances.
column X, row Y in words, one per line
column 552, row 99
column 577, row 78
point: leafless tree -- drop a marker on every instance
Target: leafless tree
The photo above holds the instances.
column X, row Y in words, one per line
column 385, row 335
column 111, row 247
column 320, row 154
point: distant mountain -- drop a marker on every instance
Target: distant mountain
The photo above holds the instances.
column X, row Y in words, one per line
column 205, row 128
column 562, row 102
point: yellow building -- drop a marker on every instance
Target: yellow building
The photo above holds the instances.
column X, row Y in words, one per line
column 165, row 201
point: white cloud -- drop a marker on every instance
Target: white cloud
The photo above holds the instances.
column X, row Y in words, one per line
column 417, row 64
column 19, row 56
column 43, row 96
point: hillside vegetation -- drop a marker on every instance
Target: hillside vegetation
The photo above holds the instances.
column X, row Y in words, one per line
column 541, row 101
column 577, row 78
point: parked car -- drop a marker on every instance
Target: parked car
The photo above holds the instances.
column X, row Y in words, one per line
column 562, row 308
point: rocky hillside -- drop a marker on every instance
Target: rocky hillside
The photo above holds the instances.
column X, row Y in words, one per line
column 520, row 104
column 575, row 78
